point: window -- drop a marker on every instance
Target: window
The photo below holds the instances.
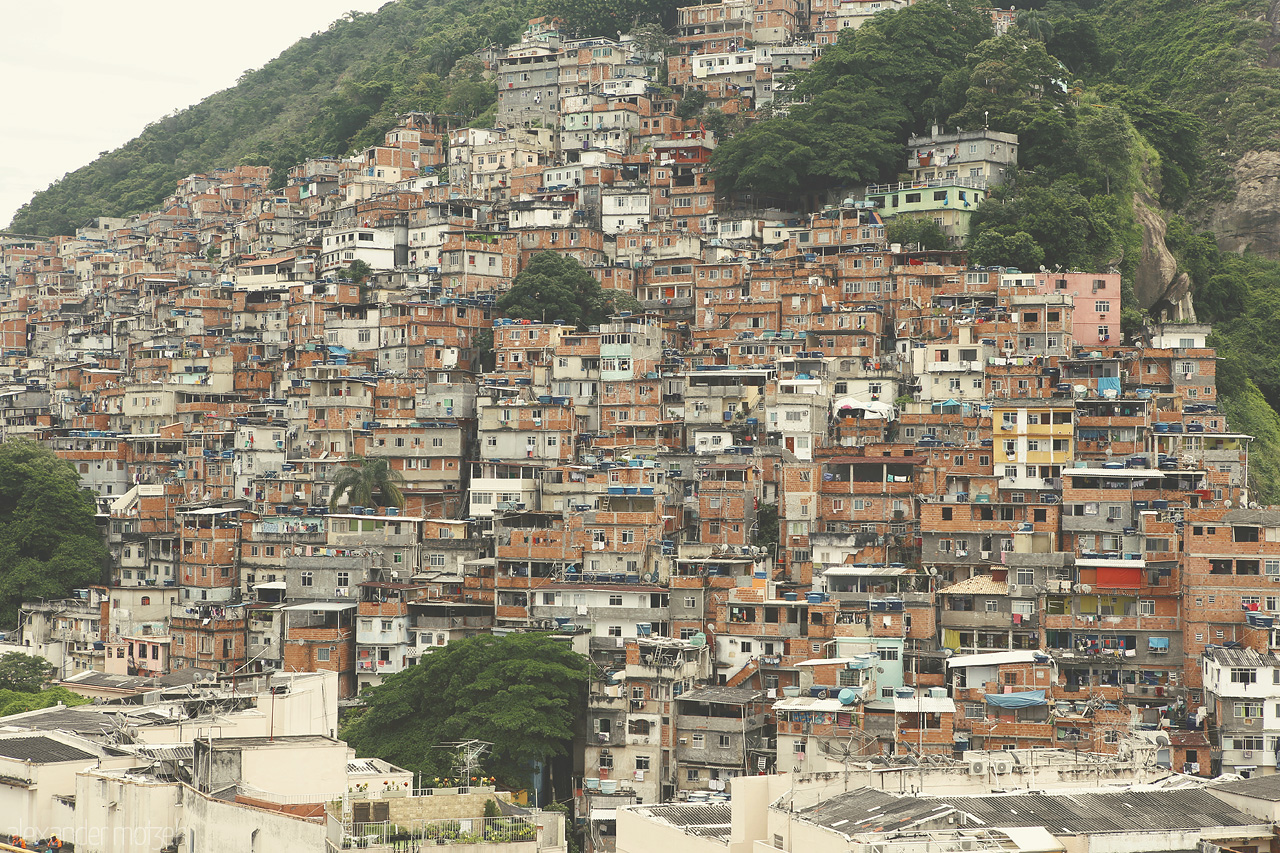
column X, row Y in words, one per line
column 308, row 578
column 691, row 774
column 691, row 602
column 698, row 740
column 887, row 652
column 1146, row 607
column 615, row 630
column 642, row 762
column 725, row 741
column 322, row 654
column 1240, row 675
column 615, row 601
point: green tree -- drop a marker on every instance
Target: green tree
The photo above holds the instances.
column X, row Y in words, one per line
column 357, row 271
column 1036, row 25
column 24, row 673
column 765, row 531
column 912, row 230
column 1010, row 81
column 691, row 103
column 1019, row 250
column 555, row 287
column 370, row 482
column 49, row 542
column 1106, row 140
column 525, row 693
column 18, row 702
column 611, row 17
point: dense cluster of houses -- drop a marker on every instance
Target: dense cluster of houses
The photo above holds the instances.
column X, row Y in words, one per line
column 823, row 496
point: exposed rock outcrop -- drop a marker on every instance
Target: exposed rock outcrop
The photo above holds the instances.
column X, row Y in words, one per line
column 1158, row 284
column 1251, row 220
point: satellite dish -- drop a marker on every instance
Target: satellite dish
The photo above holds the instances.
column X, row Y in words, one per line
column 1227, row 503
column 1085, row 588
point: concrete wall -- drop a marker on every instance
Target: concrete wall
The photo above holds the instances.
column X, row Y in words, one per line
column 441, row 806
column 144, row 817
column 212, row 826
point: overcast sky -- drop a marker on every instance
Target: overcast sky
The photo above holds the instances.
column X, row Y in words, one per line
column 82, row 76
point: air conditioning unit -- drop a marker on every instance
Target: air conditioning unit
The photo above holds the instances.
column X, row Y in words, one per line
column 977, row 768
column 1001, row 766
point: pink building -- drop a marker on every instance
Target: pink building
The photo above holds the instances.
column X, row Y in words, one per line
column 145, row 656
column 1095, row 317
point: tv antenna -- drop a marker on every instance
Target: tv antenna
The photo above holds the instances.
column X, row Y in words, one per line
column 468, row 754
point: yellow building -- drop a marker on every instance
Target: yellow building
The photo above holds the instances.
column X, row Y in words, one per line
column 1033, row 441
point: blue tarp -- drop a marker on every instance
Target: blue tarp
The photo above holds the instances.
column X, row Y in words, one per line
column 1025, row 699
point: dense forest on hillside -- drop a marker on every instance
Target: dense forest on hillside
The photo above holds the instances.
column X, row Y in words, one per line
column 1130, row 112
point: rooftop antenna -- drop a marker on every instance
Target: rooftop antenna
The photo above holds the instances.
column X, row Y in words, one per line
column 468, row 754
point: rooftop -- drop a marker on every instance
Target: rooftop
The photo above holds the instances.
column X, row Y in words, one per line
column 723, row 696
column 1076, row 813
column 42, row 750
column 705, row 820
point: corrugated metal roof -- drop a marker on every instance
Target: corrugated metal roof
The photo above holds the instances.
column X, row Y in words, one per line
column 1259, row 787
column 723, row 695
column 1061, row 814
column 707, row 820
column 1242, row 657
column 41, row 750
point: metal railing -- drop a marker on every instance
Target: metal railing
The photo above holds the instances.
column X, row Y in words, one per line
column 461, row 831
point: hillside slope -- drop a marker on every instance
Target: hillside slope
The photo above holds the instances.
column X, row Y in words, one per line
column 322, row 96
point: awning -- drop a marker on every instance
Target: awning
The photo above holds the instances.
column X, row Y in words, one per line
column 1025, row 699
column 1161, row 643
column 923, row 705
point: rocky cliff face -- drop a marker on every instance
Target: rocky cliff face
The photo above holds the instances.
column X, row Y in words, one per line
column 1251, row 220
column 1159, row 285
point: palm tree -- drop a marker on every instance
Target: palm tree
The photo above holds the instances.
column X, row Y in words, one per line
column 1036, row 24
column 368, row 477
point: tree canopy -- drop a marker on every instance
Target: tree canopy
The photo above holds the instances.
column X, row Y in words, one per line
column 49, row 542
column 20, row 702
column 24, row 673
column 856, row 106
column 522, row 692
column 915, row 230
column 556, row 288
column 370, row 481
